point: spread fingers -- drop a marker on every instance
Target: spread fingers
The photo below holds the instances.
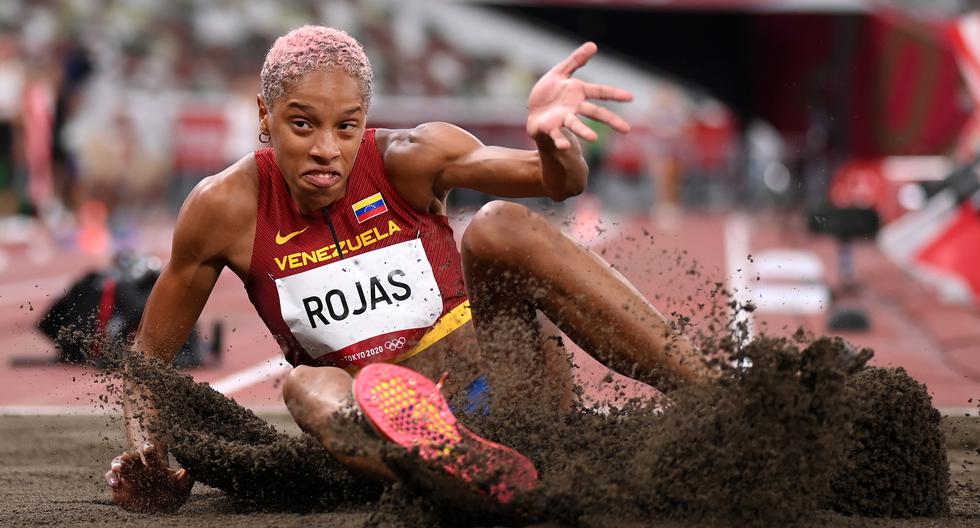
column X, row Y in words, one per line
column 604, row 115
column 607, row 93
column 576, row 60
column 580, row 129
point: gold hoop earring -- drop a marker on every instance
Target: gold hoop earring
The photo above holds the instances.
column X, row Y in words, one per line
column 265, row 137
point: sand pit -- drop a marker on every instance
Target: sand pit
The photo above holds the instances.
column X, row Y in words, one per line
column 809, row 434
column 52, row 466
column 806, row 431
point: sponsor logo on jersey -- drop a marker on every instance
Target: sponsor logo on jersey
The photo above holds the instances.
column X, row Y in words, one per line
column 369, row 207
column 302, row 259
column 283, row 239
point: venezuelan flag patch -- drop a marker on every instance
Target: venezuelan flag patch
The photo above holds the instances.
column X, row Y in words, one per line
column 369, row 207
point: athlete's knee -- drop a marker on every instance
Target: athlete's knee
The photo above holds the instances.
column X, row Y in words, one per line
column 295, row 381
column 499, row 229
column 326, row 389
column 299, row 378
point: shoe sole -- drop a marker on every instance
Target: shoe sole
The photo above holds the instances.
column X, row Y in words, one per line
column 409, row 409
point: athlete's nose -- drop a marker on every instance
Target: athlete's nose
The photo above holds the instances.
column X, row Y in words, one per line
column 326, row 147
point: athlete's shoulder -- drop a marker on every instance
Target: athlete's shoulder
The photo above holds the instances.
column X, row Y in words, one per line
column 221, row 209
column 425, row 134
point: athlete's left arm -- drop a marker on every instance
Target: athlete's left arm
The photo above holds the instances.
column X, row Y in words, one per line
column 451, row 157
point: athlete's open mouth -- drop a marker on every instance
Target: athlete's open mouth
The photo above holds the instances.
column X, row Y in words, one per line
column 321, row 178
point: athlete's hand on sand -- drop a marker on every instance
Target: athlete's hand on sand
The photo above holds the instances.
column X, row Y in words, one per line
column 141, row 481
column 557, row 98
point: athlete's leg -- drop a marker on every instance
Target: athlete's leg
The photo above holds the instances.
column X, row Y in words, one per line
column 557, row 363
column 318, row 397
column 460, row 354
column 515, row 261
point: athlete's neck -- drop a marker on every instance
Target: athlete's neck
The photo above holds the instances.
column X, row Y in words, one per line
column 313, row 204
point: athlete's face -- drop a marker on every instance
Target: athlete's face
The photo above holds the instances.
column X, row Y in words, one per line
column 316, row 130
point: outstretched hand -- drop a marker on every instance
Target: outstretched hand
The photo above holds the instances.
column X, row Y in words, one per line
column 141, row 481
column 557, row 100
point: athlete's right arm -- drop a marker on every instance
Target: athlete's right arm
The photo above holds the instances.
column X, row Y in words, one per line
column 141, row 479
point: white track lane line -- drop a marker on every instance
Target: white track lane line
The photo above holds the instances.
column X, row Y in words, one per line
column 264, row 370
column 88, row 410
column 737, row 268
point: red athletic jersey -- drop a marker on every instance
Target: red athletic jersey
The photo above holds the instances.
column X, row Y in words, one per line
column 396, row 272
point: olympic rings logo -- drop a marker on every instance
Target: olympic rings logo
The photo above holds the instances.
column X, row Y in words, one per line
column 395, row 344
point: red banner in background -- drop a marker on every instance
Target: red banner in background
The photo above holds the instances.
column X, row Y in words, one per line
column 964, row 34
column 891, row 80
column 909, row 97
column 956, row 251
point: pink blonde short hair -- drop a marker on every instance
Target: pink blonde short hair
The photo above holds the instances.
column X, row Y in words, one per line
column 310, row 48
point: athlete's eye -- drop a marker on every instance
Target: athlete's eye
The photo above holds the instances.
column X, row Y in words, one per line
column 301, row 123
column 348, row 127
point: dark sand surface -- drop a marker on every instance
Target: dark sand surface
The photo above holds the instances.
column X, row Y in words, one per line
column 51, row 467
column 807, row 428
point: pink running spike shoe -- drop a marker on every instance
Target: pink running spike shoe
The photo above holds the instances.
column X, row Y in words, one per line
column 408, row 409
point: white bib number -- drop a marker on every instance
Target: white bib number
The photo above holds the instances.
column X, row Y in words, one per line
column 386, row 290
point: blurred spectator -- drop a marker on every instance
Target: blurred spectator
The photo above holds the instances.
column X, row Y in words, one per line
column 670, row 127
column 447, row 70
column 11, row 87
column 199, row 132
column 76, row 68
column 501, row 78
column 138, row 100
column 37, row 119
column 709, row 173
column 241, row 117
column 626, row 165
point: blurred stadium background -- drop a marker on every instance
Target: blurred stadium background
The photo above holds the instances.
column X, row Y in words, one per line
column 815, row 156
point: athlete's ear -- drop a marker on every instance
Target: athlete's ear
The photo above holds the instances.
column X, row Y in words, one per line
column 263, row 112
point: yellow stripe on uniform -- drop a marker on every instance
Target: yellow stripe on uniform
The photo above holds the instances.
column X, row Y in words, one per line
column 369, row 200
column 456, row 318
